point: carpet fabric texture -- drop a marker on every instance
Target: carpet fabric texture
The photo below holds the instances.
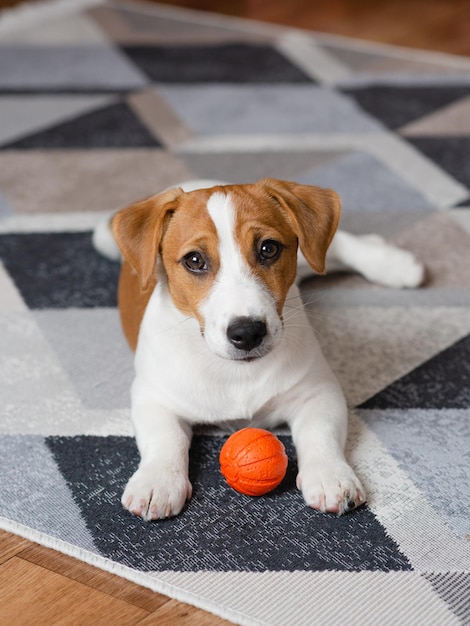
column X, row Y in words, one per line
column 104, row 103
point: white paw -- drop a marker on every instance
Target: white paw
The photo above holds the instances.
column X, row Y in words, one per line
column 331, row 488
column 391, row 266
column 155, row 494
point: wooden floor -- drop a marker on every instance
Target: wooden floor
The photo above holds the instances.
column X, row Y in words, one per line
column 442, row 25
column 41, row 587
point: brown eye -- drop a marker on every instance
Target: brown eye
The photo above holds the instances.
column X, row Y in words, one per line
column 195, row 262
column 269, row 251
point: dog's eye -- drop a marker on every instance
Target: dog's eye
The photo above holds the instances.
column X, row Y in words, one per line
column 269, row 251
column 195, row 262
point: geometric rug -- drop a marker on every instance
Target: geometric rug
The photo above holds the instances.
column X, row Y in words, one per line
column 105, row 103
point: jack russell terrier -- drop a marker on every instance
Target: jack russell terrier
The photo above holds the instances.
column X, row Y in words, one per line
column 208, row 301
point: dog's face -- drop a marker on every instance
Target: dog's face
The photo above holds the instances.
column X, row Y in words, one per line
column 230, row 255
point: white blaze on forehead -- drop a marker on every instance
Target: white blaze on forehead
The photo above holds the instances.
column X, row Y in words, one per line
column 223, row 213
column 236, row 291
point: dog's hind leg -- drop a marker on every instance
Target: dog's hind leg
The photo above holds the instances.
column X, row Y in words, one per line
column 373, row 258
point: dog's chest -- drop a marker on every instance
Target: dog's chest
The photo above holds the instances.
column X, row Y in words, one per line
column 192, row 382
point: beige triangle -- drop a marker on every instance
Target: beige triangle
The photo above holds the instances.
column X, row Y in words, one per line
column 443, row 246
column 453, row 119
column 159, row 117
column 68, row 30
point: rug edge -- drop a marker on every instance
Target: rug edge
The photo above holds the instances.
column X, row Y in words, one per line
column 143, row 579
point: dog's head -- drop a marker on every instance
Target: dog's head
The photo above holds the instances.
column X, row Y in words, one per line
column 230, row 254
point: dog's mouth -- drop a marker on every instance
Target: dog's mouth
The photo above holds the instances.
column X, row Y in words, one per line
column 241, row 356
column 249, row 359
column 245, row 359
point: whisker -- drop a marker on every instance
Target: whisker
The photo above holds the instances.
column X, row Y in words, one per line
column 174, row 326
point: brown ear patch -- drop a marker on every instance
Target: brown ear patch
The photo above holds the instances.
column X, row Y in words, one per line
column 132, row 302
column 314, row 214
column 139, row 229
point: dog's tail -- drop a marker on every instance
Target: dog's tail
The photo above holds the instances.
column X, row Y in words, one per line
column 104, row 242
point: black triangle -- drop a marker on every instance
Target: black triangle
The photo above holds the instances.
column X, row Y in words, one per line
column 226, row 63
column 450, row 153
column 443, row 382
column 114, row 126
column 465, row 203
column 397, row 106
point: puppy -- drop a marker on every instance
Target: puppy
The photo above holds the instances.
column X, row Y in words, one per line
column 208, row 301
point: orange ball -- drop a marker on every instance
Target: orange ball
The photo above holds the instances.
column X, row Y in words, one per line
column 253, row 461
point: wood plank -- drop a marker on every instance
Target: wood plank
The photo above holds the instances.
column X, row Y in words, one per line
column 430, row 24
column 10, row 545
column 30, row 594
column 93, row 577
column 174, row 612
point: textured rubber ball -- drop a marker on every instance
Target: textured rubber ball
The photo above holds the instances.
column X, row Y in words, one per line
column 253, row 461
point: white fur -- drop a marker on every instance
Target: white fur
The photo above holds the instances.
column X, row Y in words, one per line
column 182, row 380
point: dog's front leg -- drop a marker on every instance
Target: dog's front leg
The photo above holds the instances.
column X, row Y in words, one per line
column 160, row 486
column 319, row 431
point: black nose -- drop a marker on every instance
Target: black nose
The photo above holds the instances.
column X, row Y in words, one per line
column 246, row 333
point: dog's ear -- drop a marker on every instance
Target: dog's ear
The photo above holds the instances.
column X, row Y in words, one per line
column 139, row 230
column 313, row 213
